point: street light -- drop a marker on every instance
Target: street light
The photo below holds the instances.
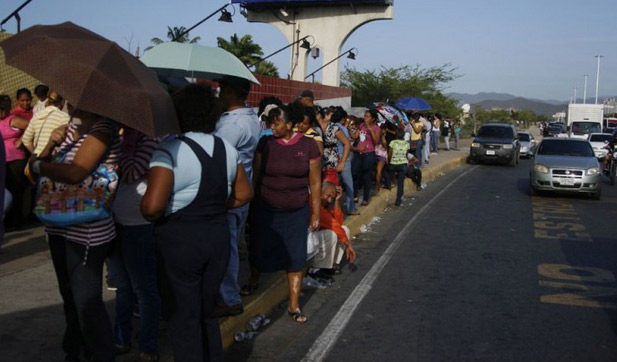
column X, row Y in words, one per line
column 225, row 17
column 350, row 55
column 598, row 75
column 16, row 15
column 585, row 89
column 305, row 45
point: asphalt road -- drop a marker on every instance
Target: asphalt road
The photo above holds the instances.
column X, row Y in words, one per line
column 471, row 269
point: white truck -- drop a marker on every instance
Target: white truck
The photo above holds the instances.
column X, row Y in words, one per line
column 584, row 119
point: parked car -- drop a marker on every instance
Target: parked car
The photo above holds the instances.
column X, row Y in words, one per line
column 495, row 142
column 598, row 143
column 565, row 165
column 528, row 144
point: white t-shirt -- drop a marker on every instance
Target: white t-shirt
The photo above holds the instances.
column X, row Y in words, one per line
column 177, row 156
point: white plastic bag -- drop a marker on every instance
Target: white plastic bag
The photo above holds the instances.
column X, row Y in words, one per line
column 312, row 244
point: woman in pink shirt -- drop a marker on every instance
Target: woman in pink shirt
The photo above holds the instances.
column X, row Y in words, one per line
column 370, row 135
column 12, row 128
column 24, row 104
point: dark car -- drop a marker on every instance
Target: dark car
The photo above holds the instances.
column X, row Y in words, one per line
column 495, row 142
column 557, row 130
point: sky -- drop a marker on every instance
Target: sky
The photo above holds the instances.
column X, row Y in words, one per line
column 530, row 48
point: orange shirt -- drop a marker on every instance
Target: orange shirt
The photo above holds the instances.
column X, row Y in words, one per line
column 332, row 219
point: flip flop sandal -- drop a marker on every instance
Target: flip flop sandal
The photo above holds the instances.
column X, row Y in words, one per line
column 297, row 316
column 248, row 289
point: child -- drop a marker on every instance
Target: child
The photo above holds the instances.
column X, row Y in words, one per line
column 397, row 162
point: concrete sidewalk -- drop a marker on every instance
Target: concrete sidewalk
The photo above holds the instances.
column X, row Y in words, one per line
column 31, row 312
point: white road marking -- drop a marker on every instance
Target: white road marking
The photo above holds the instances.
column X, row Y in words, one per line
column 326, row 340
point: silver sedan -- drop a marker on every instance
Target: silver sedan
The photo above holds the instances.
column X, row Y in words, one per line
column 528, row 143
column 566, row 165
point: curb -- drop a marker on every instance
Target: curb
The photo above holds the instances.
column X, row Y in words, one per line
column 274, row 290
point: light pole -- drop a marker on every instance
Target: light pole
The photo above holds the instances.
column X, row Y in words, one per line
column 585, row 89
column 598, row 75
column 574, row 95
column 350, row 55
column 16, row 15
column 305, row 45
column 225, row 17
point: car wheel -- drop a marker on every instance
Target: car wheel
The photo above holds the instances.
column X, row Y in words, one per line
column 532, row 191
column 471, row 161
column 597, row 195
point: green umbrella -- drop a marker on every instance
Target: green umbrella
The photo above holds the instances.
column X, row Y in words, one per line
column 174, row 59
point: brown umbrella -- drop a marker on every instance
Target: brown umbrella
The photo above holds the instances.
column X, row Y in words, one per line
column 94, row 74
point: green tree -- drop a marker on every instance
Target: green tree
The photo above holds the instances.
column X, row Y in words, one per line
column 174, row 33
column 249, row 53
column 527, row 117
column 267, row 68
column 392, row 84
column 244, row 48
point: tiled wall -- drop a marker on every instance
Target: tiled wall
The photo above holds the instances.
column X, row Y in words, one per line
column 288, row 90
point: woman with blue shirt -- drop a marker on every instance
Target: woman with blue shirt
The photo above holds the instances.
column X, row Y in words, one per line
column 194, row 179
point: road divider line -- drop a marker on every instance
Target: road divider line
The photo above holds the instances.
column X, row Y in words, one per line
column 324, row 343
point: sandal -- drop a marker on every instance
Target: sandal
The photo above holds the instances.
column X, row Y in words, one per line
column 364, row 203
column 297, row 316
column 248, row 289
column 146, row 357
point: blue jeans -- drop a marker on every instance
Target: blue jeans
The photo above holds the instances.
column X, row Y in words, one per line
column 419, row 148
column 346, row 180
column 133, row 269
column 81, row 287
column 435, row 141
column 400, row 171
column 229, row 292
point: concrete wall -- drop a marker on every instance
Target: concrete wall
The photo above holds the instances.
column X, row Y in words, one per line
column 328, row 27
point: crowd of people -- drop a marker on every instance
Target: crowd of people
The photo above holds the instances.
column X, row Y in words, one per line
column 282, row 178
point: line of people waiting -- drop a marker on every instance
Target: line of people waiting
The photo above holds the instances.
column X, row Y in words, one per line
column 286, row 176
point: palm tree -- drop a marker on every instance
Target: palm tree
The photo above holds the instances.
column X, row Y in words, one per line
column 249, row 53
column 244, row 48
column 176, row 34
column 266, row 67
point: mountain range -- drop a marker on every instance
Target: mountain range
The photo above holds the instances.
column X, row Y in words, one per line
column 489, row 100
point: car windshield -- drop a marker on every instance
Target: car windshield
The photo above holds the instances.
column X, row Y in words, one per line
column 565, row 148
column 600, row 138
column 524, row 137
column 586, row 127
column 495, row 132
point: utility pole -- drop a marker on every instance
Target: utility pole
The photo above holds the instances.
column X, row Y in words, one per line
column 598, row 75
column 585, row 89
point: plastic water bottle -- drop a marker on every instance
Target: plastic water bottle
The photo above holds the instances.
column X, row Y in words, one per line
column 257, row 322
column 244, row 336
